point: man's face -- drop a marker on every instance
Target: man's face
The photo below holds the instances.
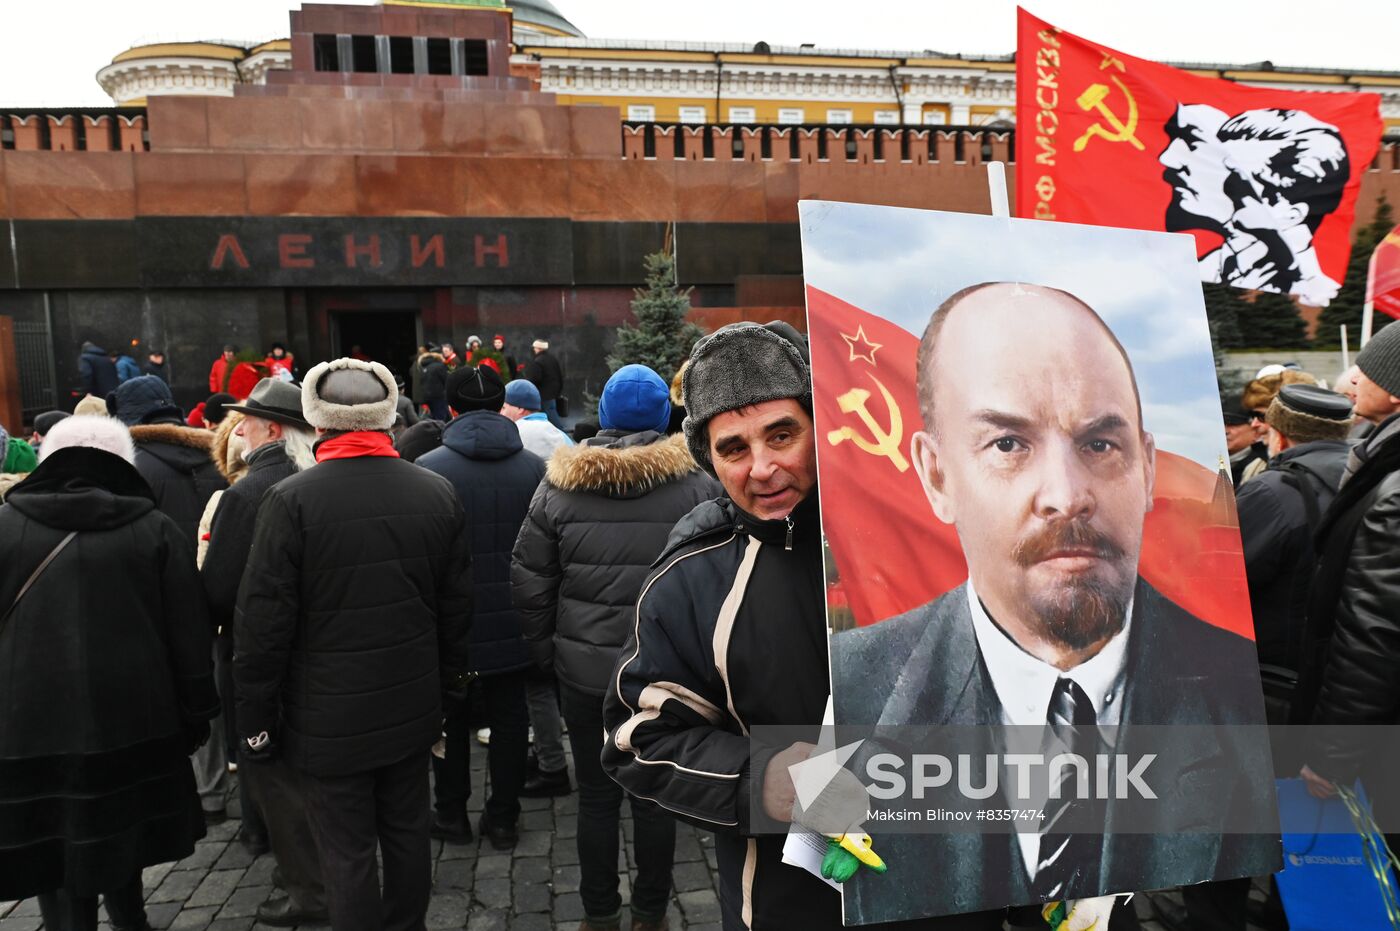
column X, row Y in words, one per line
column 1372, row 401
column 257, row 432
column 1258, row 425
column 1037, row 457
column 1238, row 436
column 765, row 456
column 1196, row 170
column 513, row 412
column 498, row 343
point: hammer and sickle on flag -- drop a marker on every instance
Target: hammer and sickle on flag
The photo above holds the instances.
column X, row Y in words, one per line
column 1123, row 130
column 885, row 443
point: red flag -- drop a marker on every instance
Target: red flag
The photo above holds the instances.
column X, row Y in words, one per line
column 1265, row 179
column 892, row 554
column 1383, row 281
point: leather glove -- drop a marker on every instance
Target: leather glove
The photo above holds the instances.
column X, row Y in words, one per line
column 259, row 749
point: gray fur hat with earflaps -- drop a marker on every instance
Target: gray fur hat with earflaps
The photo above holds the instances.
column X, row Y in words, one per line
column 741, row 365
column 345, row 395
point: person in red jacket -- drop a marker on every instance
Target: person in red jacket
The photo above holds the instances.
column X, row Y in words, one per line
column 280, row 363
column 218, row 372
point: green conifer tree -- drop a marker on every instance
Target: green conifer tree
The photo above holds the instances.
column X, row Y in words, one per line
column 661, row 338
column 1346, row 307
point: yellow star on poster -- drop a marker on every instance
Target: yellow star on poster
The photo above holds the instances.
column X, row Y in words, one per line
column 867, row 353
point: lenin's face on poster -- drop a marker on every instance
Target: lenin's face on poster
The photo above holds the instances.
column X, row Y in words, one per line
column 1033, row 449
column 1195, row 168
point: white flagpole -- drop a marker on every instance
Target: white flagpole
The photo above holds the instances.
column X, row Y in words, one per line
column 1368, row 309
column 996, row 184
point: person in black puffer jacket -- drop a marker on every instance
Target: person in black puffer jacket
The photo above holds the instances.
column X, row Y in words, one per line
column 596, row 525
column 495, row 476
column 171, row 457
column 350, row 636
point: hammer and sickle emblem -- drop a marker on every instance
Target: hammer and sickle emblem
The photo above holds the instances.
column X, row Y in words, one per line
column 1093, row 99
column 886, row 443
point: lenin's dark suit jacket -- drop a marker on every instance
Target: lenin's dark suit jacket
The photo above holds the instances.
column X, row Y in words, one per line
column 925, row 668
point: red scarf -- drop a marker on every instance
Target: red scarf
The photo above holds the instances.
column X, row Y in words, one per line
column 355, row 445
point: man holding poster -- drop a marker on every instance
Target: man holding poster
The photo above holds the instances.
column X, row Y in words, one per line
column 1044, row 592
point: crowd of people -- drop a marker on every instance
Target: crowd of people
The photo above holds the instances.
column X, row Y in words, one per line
column 326, row 587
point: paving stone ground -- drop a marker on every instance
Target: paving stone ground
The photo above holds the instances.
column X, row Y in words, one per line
column 532, row 888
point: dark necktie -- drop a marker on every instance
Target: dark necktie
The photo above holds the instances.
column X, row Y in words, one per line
column 1069, row 858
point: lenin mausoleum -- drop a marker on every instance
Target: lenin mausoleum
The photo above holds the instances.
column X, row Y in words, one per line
column 426, row 171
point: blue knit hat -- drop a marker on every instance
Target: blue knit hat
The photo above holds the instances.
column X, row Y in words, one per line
column 635, row 399
column 523, row 394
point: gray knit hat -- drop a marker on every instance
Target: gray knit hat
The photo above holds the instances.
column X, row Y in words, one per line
column 738, row 366
column 1379, row 359
column 348, row 394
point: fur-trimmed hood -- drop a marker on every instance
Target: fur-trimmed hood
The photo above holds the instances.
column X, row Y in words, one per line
column 345, row 395
column 227, row 449
column 193, row 437
column 621, row 466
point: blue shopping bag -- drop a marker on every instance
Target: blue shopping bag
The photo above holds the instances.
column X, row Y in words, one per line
column 1326, row 884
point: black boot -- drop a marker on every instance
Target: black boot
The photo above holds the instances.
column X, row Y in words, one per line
column 544, row 784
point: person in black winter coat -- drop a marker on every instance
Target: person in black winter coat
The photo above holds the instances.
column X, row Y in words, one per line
column 156, row 364
column 171, row 457
column 277, row 443
column 107, row 683
column 349, row 636
column 1354, row 606
column 432, row 383
column 97, row 371
column 1280, row 511
column 596, row 525
column 545, row 373
column 495, row 476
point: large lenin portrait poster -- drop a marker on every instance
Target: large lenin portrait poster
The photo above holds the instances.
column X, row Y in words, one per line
column 1029, row 524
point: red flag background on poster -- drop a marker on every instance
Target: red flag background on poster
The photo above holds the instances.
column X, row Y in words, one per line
column 1383, row 282
column 1266, row 180
column 892, row 555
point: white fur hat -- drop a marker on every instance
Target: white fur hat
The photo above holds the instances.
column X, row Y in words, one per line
column 347, row 394
column 104, row 433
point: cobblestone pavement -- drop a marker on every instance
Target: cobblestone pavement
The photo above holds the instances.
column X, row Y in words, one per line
column 532, row 888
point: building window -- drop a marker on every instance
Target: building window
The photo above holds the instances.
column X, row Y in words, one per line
column 742, row 115
column 363, row 55
column 474, row 58
column 838, row 116
column 791, row 115
column 401, row 54
column 935, row 118
column 692, row 114
column 641, row 113
column 439, row 56
column 886, row 117
column 326, row 55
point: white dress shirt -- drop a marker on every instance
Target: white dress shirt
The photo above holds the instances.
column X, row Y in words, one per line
column 1024, row 684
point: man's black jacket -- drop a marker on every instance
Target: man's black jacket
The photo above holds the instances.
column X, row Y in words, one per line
column 1276, row 528
column 231, row 532
column 353, row 614
column 495, row 477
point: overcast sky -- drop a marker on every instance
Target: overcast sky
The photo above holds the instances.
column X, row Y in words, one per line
column 52, row 50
